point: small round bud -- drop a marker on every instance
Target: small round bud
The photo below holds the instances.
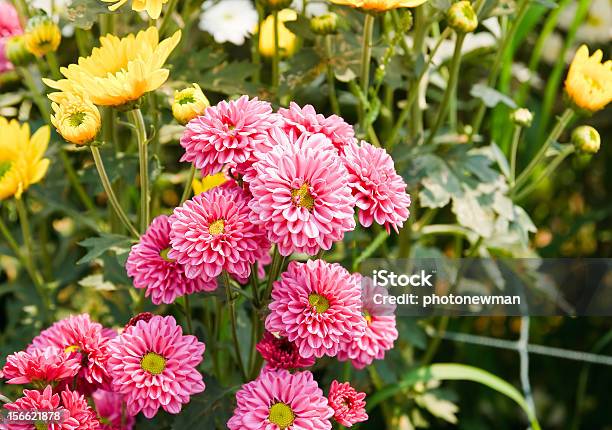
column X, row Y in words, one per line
column 522, row 117
column 461, row 17
column 16, row 51
column 324, row 24
column 406, row 20
column 273, row 5
column 586, row 139
column 42, row 35
column 188, row 104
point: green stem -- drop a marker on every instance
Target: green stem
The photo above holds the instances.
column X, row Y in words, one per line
column 256, row 55
column 188, row 184
column 75, row 183
column 231, row 303
column 110, row 193
column 562, row 122
column 53, row 65
column 331, row 87
column 187, row 309
column 550, row 169
column 276, row 56
column 275, row 267
column 450, row 87
column 501, row 53
column 366, row 58
column 516, row 137
column 167, row 19
column 143, row 155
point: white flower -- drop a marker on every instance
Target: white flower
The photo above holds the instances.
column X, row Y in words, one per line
column 229, row 20
column 596, row 28
column 552, row 48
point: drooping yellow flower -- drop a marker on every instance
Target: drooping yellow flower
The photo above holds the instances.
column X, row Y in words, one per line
column 42, row 35
column 120, row 71
column 208, row 183
column 21, row 157
column 152, row 7
column 76, row 119
column 589, row 81
column 189, row 103
column 287, row 41
column 379, row 5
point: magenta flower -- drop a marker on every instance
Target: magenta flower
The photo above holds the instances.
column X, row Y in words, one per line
column 301, row 195
column 279, row 353
column 317, row 306
column 151, row 268
column 348, row 404
column 45, row 366
column 380, row 333
column 279, row 400
column 380, row 192
column 212, row 232
column 110, row 407
column 227, row 134
column 72, row 406
column 154, row 365
column 83, row 339
column 9, row 26
column 299, row 121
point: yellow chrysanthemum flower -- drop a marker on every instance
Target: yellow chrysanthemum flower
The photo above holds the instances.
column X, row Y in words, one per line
column 42, row 35
column 152, row 7
column 76, row 119
column 21, row 157
column 589, row 81
column 379, row 5
column 120, row 71
column 208, row 183
column 189, row 103
column 287, row 41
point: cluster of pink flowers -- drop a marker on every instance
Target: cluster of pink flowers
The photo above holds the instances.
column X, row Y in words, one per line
column 148, row 365
column 9, row 26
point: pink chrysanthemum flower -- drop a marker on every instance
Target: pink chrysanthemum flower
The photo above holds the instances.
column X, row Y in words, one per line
column 279, row 353
column 348, row 404
column 212, row 232
column 279, row 400
column 82, row 338
column 74, row 412
column 306, row 121
column 380, row 332
column 380, row 192
column 227, row 134
column 316, row 305
column 154, row 365
column 9, row 26
column 151, row 268
column 301, row 196
column 45, row 366
column 110, row 407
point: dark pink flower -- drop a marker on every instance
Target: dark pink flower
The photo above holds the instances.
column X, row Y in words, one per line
column 154, row 365
column 45, row 366
column 279, row 400
column 379, row 191
column 111, row 409
column 152, row 268
column 9, row 26
column 81, row 416
column 348, row 404
column 279, row 353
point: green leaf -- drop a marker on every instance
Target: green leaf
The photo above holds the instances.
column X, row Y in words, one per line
column 96, row 246
column 207, row 410
column 491, row 97
column 301, row 27
column 454, row 372
column 83, row 13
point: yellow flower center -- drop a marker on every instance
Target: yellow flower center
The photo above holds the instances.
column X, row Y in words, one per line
column 302, row 197
column 72, row 348
column 5, row 166
column 76, row 119
column 164, row 254
column 216, row 227
column 153, row 363
column 318, row 302
column 281, row 415
column 367, row 317
column 41, row 425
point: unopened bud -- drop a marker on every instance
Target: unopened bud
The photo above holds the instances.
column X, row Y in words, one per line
column 586, row 139
column 42, row 35
column 461, row 17
column 406, row 20
column 522, row 117
column 16, row 51
column 324, row 24
column 188, row 104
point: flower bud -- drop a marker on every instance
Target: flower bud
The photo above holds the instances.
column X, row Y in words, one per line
column 324, row 24
column 406, row 20
column 287, row 41
column 461, row 17
column 522, row 117
column 273, row 5
column 76, row 119
column 586, row 139
column 189, row 103
column 42, row 35
column 16, row 51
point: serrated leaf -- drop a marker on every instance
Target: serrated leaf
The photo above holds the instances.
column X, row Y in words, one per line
column 97, row 246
